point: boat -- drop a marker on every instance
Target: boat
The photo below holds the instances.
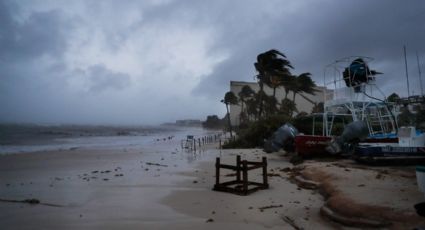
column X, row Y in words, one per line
column 410, row 147
column 352, row 96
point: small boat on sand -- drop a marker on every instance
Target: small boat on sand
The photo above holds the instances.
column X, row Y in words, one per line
column 410, row 146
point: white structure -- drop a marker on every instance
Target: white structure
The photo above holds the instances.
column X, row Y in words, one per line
column 303, row 105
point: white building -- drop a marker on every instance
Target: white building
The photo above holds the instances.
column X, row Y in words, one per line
column 303, row 105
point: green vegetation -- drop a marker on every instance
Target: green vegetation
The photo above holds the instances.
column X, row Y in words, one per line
column 262, row 114
column 213, row 122
column 229, row 99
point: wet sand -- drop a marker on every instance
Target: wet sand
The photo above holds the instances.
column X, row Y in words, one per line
column 161, row 187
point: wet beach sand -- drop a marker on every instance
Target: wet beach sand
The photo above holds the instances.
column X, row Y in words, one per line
column 165, row 187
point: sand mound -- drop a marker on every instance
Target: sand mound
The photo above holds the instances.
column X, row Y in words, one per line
column 344, row 206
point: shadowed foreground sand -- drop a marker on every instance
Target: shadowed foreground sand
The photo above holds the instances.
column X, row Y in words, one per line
column 165, row 188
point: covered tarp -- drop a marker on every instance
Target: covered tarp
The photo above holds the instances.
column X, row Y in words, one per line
column 283, row 137
column 357, row 73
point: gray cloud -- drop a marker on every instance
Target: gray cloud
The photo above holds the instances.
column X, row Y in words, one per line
column 41, row 33
column 98, row 78
column 131, row 61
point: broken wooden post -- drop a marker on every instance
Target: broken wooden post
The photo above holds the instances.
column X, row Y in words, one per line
column 238, row 168
column 245, row 176
column 265, row 181
column 217, row 171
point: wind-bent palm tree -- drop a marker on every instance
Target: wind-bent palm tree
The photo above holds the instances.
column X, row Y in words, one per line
column 272, row 67
column 303, row 84
column 229, row 99
column 245, row 93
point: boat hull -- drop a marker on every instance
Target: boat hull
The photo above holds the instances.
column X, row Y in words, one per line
column 309, row 145
column 312, row 145
column 388, row 152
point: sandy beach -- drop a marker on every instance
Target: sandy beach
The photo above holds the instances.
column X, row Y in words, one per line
column 165, row 187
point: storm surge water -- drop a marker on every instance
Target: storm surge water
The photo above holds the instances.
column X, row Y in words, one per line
column 24, row 138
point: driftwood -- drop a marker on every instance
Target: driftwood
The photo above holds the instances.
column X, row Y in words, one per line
column 291, row 222
column 156, row 164
column 270, row 206
column 30, row 201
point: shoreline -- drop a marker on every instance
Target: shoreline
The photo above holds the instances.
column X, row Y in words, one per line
column 164, row 186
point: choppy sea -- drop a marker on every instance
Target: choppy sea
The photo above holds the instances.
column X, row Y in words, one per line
column 24, row 138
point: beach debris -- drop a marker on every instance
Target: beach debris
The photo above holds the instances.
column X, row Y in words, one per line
column 291, row 222
column 379, row 176
column 105, row 179
column 274, row 175
column 269, row 207
column 296, row 160
column 240, row 186
column 156, row 164
column 31, row 201
column 209, row 220
column 195, row 181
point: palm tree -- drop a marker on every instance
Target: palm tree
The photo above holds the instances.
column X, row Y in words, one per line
column 270, row 105
column 318, row 108
column 289, row 85
column 252, row 107
column 245, row 93
column 229, row 99
column 272, row 67
column 287, row 107
column 303, row 84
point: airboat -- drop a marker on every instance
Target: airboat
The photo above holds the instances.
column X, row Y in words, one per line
column 353, row 111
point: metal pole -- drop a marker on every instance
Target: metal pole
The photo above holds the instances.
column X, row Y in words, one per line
column 420, row 77
column 407, row 73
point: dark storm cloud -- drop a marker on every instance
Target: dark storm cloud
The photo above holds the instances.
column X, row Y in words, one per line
column 40, row 33
column 318, row 33
column 84, row 61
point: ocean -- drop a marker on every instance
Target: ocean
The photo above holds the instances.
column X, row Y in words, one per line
column 24, row 138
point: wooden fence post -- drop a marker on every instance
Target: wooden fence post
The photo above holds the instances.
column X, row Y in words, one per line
column 265, row 181
column 238, row 170
column 217, row 171
column 245, row 176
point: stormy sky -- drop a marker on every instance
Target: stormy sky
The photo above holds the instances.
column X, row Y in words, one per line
column 148, row 62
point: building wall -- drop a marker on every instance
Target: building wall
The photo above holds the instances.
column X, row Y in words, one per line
column 302, row 104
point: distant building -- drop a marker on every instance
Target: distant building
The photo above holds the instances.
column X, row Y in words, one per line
column 189, row 122
column 303, row 105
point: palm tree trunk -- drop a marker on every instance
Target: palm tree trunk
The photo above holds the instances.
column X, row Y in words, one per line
column 293, row 100
column 229, row 122
column 260, row 112
column 241, row 114
column 308, row 99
